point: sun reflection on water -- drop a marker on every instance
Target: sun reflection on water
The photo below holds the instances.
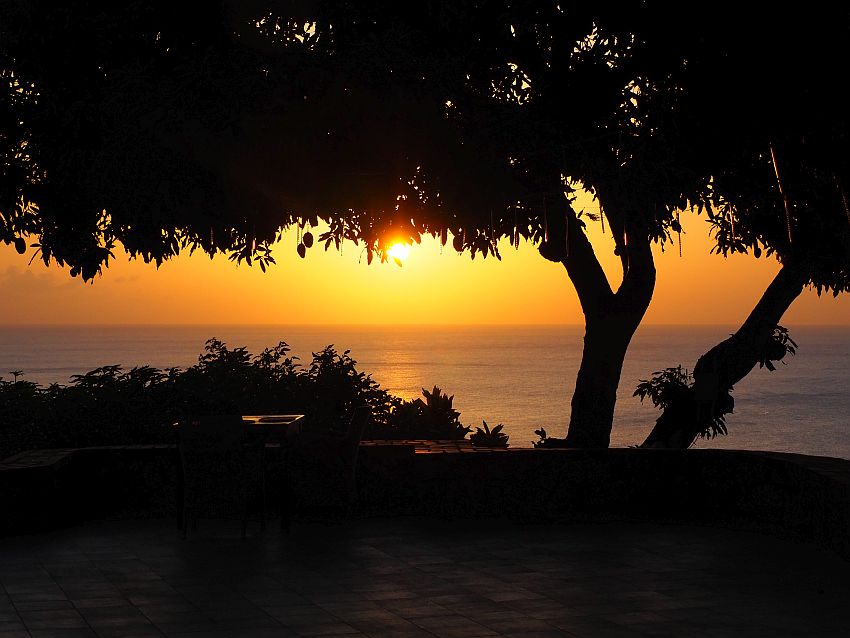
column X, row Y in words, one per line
column 399, row 374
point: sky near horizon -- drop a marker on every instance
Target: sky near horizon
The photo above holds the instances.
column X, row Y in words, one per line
column 432, row 287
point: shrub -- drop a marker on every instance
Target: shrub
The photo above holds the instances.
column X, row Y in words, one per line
column 672, row 386
column 489, row 438
column 433, row 418
column 110, row 406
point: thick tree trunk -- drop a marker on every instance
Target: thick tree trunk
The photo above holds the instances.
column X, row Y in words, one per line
column 606, row 340
column 610, row 322
column 727, row 363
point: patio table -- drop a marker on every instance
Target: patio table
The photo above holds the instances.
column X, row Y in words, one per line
column 274, row 428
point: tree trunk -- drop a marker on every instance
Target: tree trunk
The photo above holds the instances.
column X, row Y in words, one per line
column 610, row 322
column 727, row 363
column 606, row 341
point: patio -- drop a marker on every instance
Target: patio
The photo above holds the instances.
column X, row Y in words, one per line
column 419, row 577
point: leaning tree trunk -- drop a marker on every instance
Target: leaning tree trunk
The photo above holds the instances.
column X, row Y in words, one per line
column 727, row 363
column 610, row 322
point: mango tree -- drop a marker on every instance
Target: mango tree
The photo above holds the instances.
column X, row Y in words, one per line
column 782, row 193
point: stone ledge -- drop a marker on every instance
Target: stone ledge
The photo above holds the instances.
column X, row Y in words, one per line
column 803, row 496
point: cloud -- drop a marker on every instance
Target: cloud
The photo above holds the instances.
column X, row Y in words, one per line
column 24, row 280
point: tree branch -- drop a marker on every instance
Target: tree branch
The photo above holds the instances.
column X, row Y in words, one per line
column 639, row 270
column 576, row 253
column 732, row 359
column 719, row 369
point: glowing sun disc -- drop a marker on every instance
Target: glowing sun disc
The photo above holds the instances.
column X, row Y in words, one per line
column 399, row 252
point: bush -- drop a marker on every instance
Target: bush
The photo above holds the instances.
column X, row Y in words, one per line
column 672, row 387
column 489, row 438
column 433, row 418
column 110, row 406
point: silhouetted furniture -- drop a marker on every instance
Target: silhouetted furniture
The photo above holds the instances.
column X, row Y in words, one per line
column 275, row 429
column 274, row 426
column 322, row 468
column 223, row 464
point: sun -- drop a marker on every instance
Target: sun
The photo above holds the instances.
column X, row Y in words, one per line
column 399, row 252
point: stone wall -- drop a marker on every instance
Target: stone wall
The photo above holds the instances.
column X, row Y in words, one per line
column 806, row 497
column 801, row 496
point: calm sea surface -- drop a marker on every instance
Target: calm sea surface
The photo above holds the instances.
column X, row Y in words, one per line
column 521, row 376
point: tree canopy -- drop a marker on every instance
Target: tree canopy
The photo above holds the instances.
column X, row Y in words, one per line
column 168, row 126
column 780, row 172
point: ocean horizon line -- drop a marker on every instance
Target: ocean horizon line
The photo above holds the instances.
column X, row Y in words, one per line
column 383, row 325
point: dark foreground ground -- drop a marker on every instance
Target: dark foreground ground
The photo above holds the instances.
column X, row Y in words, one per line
column 415, row 577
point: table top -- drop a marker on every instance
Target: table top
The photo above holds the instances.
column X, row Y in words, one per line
column 272, row 419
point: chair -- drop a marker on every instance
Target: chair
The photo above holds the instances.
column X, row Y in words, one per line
column 322, row 468
column 221, row 464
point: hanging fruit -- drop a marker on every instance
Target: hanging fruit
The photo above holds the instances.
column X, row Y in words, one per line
column 20, row 245
column 457, row 242
column 307, row 239
column 302, row 250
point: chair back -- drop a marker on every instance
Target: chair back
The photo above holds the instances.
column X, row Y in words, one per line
column 211, row 447
column 322, row 467
column 219, row 463
column 356, row 427
column 220, row 432
column 359, row 420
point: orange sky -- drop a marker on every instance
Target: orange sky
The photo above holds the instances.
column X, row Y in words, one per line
column 431, row 288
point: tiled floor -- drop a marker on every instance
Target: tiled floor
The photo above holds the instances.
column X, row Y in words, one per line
column 419, row 578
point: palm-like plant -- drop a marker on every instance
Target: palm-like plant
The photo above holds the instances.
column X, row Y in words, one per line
column 487, row 437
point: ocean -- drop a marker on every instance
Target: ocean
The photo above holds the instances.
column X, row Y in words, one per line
column 520, row 376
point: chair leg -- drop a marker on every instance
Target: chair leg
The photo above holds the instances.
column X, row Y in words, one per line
column 184, row 515
column 181, row 507
column 286, row 497
column 285, row 516
column 244, row 508
column 263, row 488
column 352, row 498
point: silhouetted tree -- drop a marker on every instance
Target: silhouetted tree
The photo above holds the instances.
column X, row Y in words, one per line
column 783, row 192
column 179, row 126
